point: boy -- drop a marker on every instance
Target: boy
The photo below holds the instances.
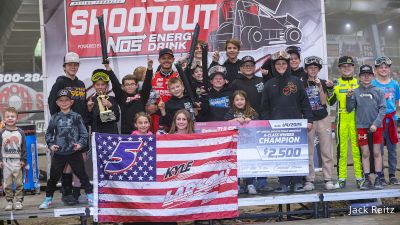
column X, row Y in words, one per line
column 130, row 101
column 100, row 81
column 248, row 82
column 391, row 90
column 297, row 71
column 370, row 106
column 232, row 64
column 316, row 90
column 178, row 101
column 220, row 95
column 345, row 122
column 65, row 136
column 12, row 159
column 78, row 93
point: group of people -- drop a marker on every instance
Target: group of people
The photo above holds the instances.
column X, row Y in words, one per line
column 149, row 102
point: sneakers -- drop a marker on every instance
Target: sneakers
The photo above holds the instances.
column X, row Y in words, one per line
column 47, row 202
column 90, row 199
column 18, row 205
column 329, row 185
column 340, row 184
column 69, row 200
column 282, row 189
column 359, row 182
column 378, row 183
column 384, row 182
column 9, row 206
column 298, row 188
column 309, row 186
column 393, row 181
column 251, row 190
column 366, row 184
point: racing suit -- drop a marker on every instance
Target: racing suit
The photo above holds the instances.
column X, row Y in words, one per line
column 345, row 127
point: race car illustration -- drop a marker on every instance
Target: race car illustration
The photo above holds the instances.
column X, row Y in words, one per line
column 254, row 24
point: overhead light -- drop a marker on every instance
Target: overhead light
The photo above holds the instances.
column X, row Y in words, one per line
column 390, row 27
column 348, row 26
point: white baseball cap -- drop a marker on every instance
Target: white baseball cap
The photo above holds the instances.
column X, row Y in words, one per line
column 71, row 57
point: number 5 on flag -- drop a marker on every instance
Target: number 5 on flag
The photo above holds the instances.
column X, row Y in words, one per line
column 123, row 157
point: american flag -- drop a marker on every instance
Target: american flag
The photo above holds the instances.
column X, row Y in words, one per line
column 165, row 178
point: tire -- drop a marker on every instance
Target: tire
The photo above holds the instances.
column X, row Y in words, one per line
column 293, row 35
column 256, row 37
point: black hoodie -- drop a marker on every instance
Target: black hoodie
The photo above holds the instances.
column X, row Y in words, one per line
column 218, row 102
column 300, row 73
column 284, row 97
column 253, row 88
column 78, row 94
column 173, row 105
column 129, row 109
column 95, row 122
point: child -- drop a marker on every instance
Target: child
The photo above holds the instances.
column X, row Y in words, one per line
column 129, row 100
column 12, row 159
column 240, row 110
column 219, row 95
column 369, row 103
column 232, row 64
column 316, row 90
column 182, row 123
column 140, row 73
column 199, row 84
column 100, row 81
column 178, row 101
column 295, row 60
column 65, row 136
column 143, row 124
column 391, row 90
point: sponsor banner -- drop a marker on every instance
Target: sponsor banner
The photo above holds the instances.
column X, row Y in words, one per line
column 267, row 147
column 24, row 91
column 136, row 29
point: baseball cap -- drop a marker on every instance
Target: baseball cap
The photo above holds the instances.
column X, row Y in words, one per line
column 71, row 57
column 293, row 49
column 165, row 51
column 217, row 70
column 366, row 69
column 247, row 59
column 345, row 60
column 63, row 92
column 313, row 60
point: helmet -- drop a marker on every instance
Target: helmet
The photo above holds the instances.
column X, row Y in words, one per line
column 383, row 59
column 71, row 57
column 313, row 60
column 345, row 60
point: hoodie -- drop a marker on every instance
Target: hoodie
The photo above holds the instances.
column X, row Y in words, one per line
column 130, row 108
column 218, row 102
column 370, row 106
column 253, row 88
column 95, row 122
column 78, row 94
column 284, row 97
column 300, row 73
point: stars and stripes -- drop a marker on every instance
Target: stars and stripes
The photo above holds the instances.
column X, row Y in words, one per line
column 165, row 177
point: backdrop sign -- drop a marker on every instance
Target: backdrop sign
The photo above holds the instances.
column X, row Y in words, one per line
column 267, row 147
column 136, row 29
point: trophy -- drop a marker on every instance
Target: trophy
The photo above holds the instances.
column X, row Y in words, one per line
column 106, row 115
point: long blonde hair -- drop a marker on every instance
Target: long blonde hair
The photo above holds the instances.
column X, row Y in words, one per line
column 190, row 126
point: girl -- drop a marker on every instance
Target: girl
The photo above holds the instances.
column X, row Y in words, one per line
column 240, row 110
column 143, row 124
column 182, row 123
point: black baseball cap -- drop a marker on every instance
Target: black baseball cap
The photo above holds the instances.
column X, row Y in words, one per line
column 293, row 50
column 366, row 69
column 165, row 51
column 345, row 60
column 247, row 58
column 63, row 92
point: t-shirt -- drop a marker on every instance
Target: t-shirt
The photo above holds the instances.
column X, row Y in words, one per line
column 314, row 96
column 392, row 94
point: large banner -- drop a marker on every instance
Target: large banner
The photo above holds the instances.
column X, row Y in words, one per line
column 137, row 28
column 267, row 147
column 165, row 177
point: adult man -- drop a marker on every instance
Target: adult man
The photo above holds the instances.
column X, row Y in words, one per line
column 345, row 121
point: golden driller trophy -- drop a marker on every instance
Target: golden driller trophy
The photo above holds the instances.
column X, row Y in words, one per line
column 106, row 115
